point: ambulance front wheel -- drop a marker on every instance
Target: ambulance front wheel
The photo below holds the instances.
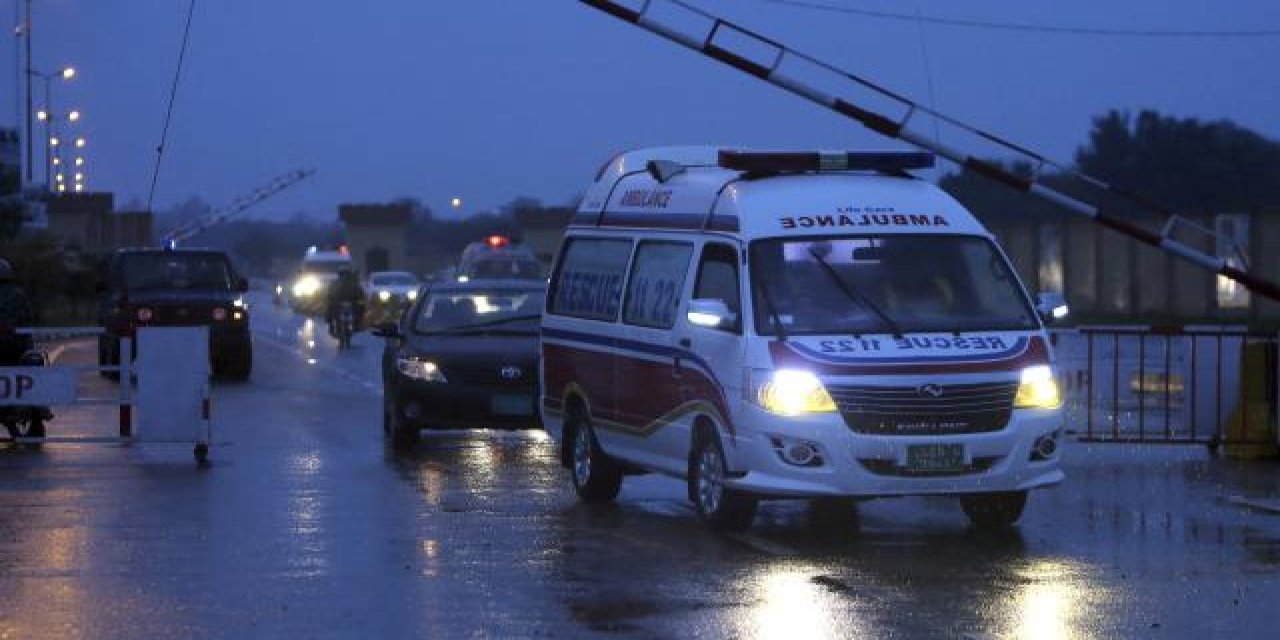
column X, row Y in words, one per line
column 994, row 511
column 719, row 506
column 596, row 477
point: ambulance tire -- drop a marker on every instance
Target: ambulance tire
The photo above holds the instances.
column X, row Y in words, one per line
column 720, row 507
column 994, row 511
column 596, row 477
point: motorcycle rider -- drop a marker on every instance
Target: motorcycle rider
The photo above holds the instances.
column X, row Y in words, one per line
column 345, row 289
column 15, row 311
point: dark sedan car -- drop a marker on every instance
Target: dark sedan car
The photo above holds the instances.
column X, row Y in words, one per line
column 464, row 355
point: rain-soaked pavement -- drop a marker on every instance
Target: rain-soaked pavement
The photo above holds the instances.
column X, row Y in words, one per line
column 306, row 526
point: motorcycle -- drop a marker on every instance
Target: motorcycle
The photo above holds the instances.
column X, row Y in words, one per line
column 25, row 421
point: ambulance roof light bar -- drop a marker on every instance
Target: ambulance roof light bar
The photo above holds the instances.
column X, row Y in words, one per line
column 803, row 161
column 798, row 73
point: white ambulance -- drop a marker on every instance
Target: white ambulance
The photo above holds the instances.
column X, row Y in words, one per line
column 794, row 325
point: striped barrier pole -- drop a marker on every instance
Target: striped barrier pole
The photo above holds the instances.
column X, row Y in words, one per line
column 768, row 67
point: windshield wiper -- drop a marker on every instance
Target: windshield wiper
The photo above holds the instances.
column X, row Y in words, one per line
column 855, row 295
column 467, row 328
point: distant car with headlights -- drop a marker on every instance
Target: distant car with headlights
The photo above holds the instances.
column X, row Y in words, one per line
column 795, row 325
column 319, row 269
column 390, row 293
column 464, row 355
column 177, row 287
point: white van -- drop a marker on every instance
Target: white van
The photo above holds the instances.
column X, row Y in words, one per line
column 794, row 325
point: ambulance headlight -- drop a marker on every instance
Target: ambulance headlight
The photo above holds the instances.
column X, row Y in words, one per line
column 419, row 369
column 413, row 295
column 1037, row 389
column 791, row 392
column 384, row 295
column 306, row 286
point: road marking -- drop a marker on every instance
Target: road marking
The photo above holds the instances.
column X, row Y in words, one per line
column 371, row 387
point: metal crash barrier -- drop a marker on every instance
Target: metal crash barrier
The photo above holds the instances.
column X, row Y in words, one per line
column 162, row 394
column 1179, row 385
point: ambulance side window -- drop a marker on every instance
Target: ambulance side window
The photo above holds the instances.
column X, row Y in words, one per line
column 657, row 282
column 718, row 279
column 588, row 282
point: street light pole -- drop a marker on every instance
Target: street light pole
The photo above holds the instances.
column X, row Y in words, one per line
column 26, row 33
column 50, row 131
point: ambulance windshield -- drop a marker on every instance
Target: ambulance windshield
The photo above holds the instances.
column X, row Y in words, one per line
column 885, row 284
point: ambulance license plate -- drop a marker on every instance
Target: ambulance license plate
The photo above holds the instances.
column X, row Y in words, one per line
column 935, row 457
column 511, row 405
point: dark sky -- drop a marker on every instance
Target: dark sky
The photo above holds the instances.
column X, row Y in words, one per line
column 488, row 100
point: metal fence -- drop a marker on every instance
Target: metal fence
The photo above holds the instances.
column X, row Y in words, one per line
column 1208, row 385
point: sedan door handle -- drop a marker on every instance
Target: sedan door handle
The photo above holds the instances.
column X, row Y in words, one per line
column 686, row 343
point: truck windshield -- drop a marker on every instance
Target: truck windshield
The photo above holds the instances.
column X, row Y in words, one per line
column 190, row 271
column 884, row 284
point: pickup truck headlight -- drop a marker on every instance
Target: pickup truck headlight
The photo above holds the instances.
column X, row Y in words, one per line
column 1037, row 389
column 790, row 392
column 419, row 369
column 384, row 295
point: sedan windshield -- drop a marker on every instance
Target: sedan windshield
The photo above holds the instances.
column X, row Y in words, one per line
column 499, row 310
column 175, row 270
column 885, row 284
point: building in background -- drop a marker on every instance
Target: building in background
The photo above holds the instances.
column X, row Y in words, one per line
column 377, row 235
column 1108, row 277
column 88, row 222
column 9, row 145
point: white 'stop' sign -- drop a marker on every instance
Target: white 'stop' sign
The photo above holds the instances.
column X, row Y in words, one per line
column 38, row 386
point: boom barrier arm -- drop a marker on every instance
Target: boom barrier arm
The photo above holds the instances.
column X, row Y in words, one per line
column 817, row 81
column 218, row 216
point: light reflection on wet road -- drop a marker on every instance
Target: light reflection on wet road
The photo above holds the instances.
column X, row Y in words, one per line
column 306, row 526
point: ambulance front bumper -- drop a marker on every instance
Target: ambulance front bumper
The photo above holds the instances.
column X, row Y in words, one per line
column 860, row 465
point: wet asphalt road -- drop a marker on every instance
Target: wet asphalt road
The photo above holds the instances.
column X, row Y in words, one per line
column 305, row 525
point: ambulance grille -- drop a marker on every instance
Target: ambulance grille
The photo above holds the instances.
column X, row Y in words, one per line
column 921, row 411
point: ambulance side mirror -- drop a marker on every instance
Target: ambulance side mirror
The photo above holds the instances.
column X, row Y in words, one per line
column 1052, row 306
column 711, row 313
